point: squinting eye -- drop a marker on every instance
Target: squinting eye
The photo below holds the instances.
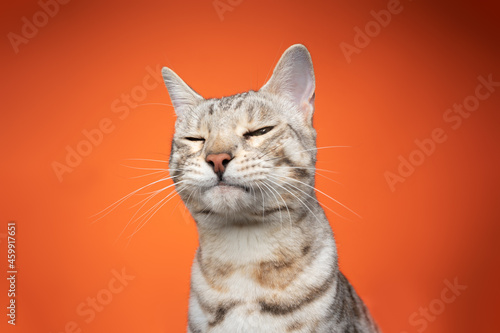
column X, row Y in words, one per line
column 194, row 139
column 260, row 131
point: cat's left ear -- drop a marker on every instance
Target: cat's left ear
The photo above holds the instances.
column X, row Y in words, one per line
column 183, row 97
column 293, row 78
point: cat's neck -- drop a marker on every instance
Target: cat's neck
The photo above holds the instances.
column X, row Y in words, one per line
column 256, row 242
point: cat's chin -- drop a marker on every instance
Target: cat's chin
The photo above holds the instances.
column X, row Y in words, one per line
column 223, row 198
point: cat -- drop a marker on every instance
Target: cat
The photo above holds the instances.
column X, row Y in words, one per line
column 244, row 166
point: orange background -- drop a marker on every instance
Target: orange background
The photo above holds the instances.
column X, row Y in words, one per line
column 440, row 224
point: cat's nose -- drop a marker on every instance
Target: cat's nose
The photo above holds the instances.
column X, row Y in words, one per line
column 219, row 162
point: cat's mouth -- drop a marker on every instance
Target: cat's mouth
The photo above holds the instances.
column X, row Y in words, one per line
column 221, row 184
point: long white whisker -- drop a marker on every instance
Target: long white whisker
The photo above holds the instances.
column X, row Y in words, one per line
column 274, row 62
column 140, row 168
column 301, row 151
column 262, row 193
column 154, row 193
column 153, row 207
column 145, row 159
column 333, row 180
column 277, row 202
column 149, row 174
column 145, row 202
column 187, row 200
column 120, row 201
column 275, row 198
column 338, row 202
column 296, row 198
column 153, row 213
column 298, row 167
column 154, row 104
column 148, row 213
column 309, row 168
column 286, row 205
column 310, row 196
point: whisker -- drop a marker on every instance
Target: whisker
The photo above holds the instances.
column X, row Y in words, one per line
column 139, row 168
column 148, row 212
column 145, row 159
column 151, row 208
column 153, row 213
column 298, row 167
column 117, row 203
column 296, row 197
column 153, row 193
column 333, row 180
column 275, row 198
column 315, row 169
column 187, row 200
column 338, row 202
column 286, row 205
column 310, row 196
column 263, row 200
column 308, row 168
column 143, row 224
column 327, row 147
column 154, row 104
column 138, row 210
column 276, row 57
column 301, row 151
column 148, row 174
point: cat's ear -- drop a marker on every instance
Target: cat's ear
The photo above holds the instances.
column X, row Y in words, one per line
column 183, row 97
column 293, row 78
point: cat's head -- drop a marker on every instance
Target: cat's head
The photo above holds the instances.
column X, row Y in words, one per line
column 248, row 157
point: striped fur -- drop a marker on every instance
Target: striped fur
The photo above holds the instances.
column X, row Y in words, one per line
column 267, row 260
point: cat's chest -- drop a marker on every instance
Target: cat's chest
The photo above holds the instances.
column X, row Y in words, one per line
column 229, row 301
column 258, row 263
column 269, row 293
column 280, row 279
column 247, row 318
column 241, row 304
column 225, row 283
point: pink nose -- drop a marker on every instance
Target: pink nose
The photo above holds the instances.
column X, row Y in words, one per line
column 218, row 162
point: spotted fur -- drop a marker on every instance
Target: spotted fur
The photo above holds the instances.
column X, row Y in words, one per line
column 267, row 260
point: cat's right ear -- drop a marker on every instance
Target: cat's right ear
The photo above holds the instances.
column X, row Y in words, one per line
column 183, row 97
